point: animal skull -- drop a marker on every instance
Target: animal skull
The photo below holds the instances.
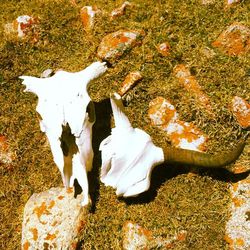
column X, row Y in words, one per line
column 129, row 155
column 68, row 115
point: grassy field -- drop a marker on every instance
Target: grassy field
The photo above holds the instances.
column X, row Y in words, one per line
column 177, row 200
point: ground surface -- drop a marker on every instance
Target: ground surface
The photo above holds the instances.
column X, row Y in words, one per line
column 177, row 199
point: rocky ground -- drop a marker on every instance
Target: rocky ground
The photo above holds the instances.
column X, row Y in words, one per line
column 182, row 68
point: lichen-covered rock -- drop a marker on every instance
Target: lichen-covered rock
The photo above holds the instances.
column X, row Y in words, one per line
column 164, row 49
column 181, row 134
column 238, row 226
column 115, row 44
column 119, row 11
column 190, row 83
column 241, row 110
column 87, row 14
column 131, row 79
column 6, row 154
column 23, row 26
column 136, row 237
column 185, row 135
column 161, row 111
column 235, row 40
column 52, row 220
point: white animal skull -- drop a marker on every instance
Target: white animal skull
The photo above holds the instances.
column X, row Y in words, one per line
column 128, row 155
column 67, row 119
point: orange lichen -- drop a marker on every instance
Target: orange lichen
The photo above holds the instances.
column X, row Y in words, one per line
column 115, row 44
column 237, row 201
column 130, row 80
column 234, row 40
column 190, row 83
column 182, row 236
column 87, row 14
column 6, row 155
column 144, row 232
column 161, row 111
column 60, row 197
column 118, row 40
column 69, row 190
column 228, row 239
column 238, row 169
column 169, row 246
column 26, row 245
column 235, row 186
column 52, row 204
column 239, row 242
column 164, row 49
column 41, row 210
column 81, row 225
column 188, row 132
column 34, row 231
column 50, row 236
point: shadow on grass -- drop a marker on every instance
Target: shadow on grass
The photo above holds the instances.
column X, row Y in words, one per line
column 165, row 172
column 221, row 174
column 160, row 174
column 101, row 129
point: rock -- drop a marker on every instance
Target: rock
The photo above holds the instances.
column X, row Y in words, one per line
column 46, row 73
column 185, row 135
column 130, row 80
column 241, row 110
column 114, row 45
column 164, row 49
column 52, row 220
column 238, row 226
column 182, row 134
column 235, row 40
column 23, row 26
column 119, row 11
column 190, row 83
column 229, row 2
column 161, row 111
column 207, row 52
column 136, row 237
column 6, row 154
column 88, row 17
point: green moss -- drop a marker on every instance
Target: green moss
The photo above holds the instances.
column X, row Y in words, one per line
column 177, row 200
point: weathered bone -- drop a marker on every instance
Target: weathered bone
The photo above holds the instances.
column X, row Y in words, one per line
column 129, row 155
column 67, row 118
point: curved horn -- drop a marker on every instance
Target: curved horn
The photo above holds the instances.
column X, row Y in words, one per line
column 194, row 158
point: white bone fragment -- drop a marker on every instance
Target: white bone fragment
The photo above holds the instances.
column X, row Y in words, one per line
column 128, row 155
column 67, row 118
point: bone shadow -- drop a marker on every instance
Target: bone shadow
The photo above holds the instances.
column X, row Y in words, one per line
column 165, row 172
column 101, row 129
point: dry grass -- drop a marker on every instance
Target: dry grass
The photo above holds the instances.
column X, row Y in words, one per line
column 176, row 200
